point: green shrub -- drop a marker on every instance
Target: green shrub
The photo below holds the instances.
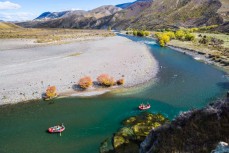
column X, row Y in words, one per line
column 189, row 37
column 205, row 40
column 129, row 32
column 135, row 33
column 147, row 33
column 141, row 33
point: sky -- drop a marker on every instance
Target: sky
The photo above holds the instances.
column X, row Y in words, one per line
column 22, row 10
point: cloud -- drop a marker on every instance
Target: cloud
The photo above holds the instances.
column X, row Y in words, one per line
column 17, row 16
column 7, row 5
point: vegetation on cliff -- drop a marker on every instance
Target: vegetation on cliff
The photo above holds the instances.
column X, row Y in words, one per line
column 198, row 130
column 134, row 131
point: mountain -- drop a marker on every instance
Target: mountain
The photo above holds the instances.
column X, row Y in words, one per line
column 141, row 14
column 71, row 19
column 159, row 14
column 223, row 27
column 54, row 15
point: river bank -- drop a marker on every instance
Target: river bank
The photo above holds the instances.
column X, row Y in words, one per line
column 207, row 54
column 26, row 73
column 201, row 55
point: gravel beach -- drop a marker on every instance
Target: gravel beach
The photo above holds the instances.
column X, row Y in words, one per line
column 26, row 73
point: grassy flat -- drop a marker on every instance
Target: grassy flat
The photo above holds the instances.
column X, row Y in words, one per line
column 6, row 25
column 49, row 35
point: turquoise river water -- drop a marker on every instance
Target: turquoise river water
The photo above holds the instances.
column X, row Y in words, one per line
column 182, row 83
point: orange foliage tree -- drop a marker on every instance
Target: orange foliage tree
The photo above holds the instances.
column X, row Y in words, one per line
column 85, row 82
column 106, row 80
column 51, row 91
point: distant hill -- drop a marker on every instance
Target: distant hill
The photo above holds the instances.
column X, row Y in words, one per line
column 7, row 25
column 71, row 19
column 141, row 14
column 54, row 15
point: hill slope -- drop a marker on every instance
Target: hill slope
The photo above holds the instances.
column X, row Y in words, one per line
column 7, row 25
column 170, row 13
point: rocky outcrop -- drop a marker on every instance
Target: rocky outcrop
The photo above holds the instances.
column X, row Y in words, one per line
column 135, row 129
column 193, row 131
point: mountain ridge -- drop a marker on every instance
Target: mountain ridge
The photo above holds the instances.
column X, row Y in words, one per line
column 144, row 14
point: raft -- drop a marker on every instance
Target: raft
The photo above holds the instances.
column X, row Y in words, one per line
column 144, row 107
column 56, row 129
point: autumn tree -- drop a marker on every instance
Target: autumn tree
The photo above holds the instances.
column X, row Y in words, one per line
column 106, row 80
column 51, row 92
column 85, row 82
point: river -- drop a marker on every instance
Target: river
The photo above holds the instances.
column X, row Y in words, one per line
column 182, row 83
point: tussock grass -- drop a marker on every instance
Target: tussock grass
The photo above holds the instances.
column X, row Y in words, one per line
column 220, row 36
column 194, row 45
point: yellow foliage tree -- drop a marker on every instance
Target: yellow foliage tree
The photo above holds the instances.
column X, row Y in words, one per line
column 170, row 34
column 162, row 43
column 180, row 34
column 51, row 92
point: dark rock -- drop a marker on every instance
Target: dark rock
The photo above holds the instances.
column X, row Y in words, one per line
column 201, row 53
column 106, row 146
column 135, row 130
column 193, row 131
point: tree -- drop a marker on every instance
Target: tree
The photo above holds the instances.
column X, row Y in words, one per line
column 85, row 82
column 180, row 34
column 147, row 33
column 106, row 80
column 51, row 92
column 189, row 37
column 135, row 33
column 141, row 33
column 171, row 34
column 163, row 38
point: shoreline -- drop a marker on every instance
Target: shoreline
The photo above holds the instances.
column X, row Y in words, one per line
column 199, row 57
column 117, row 56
